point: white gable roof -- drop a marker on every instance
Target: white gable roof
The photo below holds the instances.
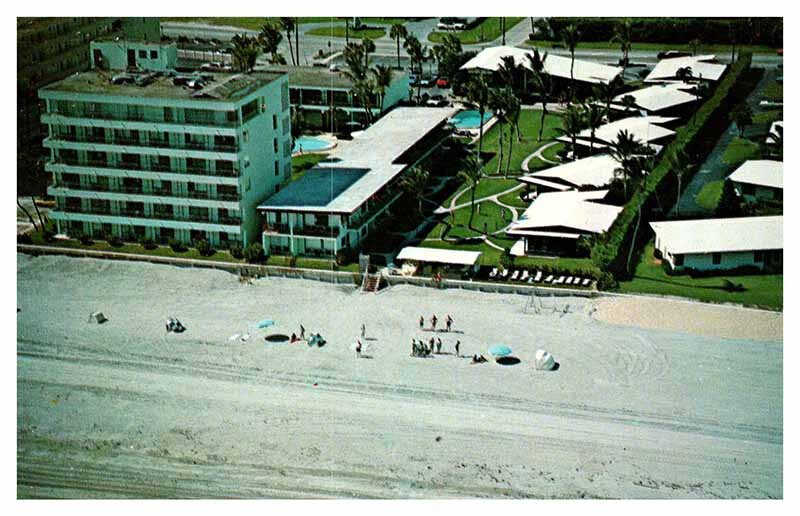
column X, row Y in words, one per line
column 596, row 171
column 642, row 128
column 720, row 235
column 660, row 96
column 575, row 210
column 776, row 129
column 761, row 172
column 432, row 255
column 666, row 69
column 558, row 66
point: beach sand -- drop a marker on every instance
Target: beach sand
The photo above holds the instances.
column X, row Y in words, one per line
column 726, row 321
column 124, row 410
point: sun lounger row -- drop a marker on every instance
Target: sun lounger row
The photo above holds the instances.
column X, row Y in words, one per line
column 525, row 276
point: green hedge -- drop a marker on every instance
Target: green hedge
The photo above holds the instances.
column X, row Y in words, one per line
column 610, row 252
column 754, row 31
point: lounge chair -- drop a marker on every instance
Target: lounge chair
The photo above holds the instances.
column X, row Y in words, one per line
column 569, row 280
column 515, row 275
column 493, row 274
column 538, row 277
column 587, row 282
column 525, row 275
column 559, row 281
column 548, row 279
column 504, row 274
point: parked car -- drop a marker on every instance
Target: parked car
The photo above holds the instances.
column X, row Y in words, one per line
column 451, row 24
column 437, row 101
column 427, row 80
column 442, row 82
column 413, row 79
column 215, row 67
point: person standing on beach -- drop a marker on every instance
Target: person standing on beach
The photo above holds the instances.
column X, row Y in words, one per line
column 302, row 333
column 433, row 322
column 458, row 345
column 421, row 321
column 413, row 347
column 363, row 331
column 449, row 322
column 438, row 346
column 358, row 348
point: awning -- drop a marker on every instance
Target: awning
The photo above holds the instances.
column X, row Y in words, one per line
column 432, row 255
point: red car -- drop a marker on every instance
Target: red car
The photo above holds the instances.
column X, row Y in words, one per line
column 441, row 82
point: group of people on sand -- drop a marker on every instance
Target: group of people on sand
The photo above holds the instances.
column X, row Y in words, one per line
column 448, row 321
column 433, row 346
column 302, row 336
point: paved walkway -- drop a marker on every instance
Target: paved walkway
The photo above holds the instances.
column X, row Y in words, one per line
column 538, row 155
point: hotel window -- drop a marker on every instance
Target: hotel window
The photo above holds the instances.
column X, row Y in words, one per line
column 245, row 136
column 143, row 54
column 716, row 258
column 275, row 122
column 154, row 54
column 276, row 168
column 275, row 145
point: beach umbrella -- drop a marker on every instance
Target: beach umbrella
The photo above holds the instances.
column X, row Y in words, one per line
column 500, row 350
column 266, row 323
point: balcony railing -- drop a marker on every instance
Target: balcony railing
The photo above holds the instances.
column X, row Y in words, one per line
column 159, row 143
column 306, row 230
column 139, row 214
column 155, row 167
column 125, row 117
column 98, row 187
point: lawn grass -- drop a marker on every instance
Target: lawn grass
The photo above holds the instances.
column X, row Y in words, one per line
column 762, row 290
column 251, row 23
column 489, row 216
column 512, row 199
column 767, row 117
column 709, row 196
column 740, row 150
column 774, row 92
column 487, row 187
column 551, row 153
column 303, row 163
column 487, row 30
column 338, row 31
column 529, row 122
column 721, row 50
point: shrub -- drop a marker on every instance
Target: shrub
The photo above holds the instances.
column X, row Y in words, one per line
column 237, row 251
column 114, row 240
column 85, row 239
column 204, row 248
column 48, row 235
column 606, row 281
column 254, row 253
column 177, row 245
column 24, row 238
column 148, row 243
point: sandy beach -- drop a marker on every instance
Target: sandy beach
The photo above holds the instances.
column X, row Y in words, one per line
column 124, row 410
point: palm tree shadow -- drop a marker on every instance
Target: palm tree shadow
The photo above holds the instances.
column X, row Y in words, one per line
column 679, row 284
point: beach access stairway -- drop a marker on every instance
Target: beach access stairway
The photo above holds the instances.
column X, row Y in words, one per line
column 371, row 282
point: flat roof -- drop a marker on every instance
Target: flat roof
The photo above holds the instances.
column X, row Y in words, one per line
column 575, row 210
column 376, row 151
column 596, row 171
column 317, row 76
column 658, row 96
column 558, row 66
column 720, row 235
column 666, row 69
column 224, row 86
column 643, row 128
column 433, row 255
column 761, row 172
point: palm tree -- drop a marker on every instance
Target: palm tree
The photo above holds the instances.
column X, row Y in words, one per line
column 640, row 167
column 574, row 123
column 478, row 92
column 629, row 103
column 414, row 184
column 397, row 32
column 270, row 39
column 570, row 37
column 513, row 110
column 245, row 52
column 622, row 35
column 595, row 116
column 625, row 150
column 541, row 83
column 607, row 92
column 695, row 43
column 416, row 54
column 678, row 162
column 471, row 173
column 289, row 26
column 27, row 214
column 684, row 74
column 382, row 75
column 499, row 103
column 369, row 47
column 508, row 73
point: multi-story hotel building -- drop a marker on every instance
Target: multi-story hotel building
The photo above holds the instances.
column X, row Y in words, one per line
column 164, row 156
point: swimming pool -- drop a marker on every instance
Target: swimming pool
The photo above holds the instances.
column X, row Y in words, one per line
column 310, row 144
column 470, row 119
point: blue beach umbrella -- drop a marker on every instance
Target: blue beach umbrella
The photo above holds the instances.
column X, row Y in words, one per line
column 500, row 350
column 266, row 323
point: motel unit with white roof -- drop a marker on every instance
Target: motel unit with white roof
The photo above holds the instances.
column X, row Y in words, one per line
column 664, row 99
column 704, row 68
column 334, row 205
column 648, row 130
column 718, row 244
column 759, row 180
